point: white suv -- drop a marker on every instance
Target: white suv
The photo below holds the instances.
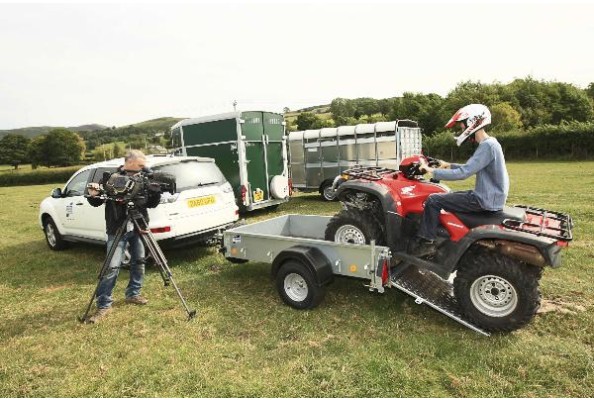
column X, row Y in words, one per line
column 203, row 204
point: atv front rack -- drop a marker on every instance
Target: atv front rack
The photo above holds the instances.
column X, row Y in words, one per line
column 369, row 173
column 544, row 223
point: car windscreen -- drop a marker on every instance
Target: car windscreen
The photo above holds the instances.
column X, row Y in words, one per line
column 191, row 174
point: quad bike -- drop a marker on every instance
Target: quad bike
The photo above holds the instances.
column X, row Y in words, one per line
column 495, row 258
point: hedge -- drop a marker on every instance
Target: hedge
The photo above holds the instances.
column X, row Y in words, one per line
column 37, row 177
column 569, row 141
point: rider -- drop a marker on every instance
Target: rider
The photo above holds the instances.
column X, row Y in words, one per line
column 487, row 162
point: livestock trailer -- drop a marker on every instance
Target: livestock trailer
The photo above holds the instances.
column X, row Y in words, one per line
column 317, row 156
column 250, row 149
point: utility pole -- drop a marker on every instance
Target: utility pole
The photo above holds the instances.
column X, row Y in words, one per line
column 234, row 105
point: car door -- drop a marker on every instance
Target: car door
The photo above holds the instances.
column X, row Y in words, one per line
column 70, row 208
column 90, row 222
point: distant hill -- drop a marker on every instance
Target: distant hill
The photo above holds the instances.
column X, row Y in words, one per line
column 31, row 132
column 158, row 125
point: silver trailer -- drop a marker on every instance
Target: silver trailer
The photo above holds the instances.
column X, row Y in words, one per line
column 318, row 156
column 303, row 264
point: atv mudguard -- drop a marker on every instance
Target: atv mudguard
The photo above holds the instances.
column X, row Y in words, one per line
column 547, row 247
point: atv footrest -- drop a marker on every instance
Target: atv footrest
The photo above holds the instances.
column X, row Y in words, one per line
column 430, row 289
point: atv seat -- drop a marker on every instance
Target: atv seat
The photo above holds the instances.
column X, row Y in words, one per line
column 472, row 220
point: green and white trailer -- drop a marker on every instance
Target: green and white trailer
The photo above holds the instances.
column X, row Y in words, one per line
column 248, row 146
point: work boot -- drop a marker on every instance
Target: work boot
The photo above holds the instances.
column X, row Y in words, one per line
column 138, row 300
column 421, row 247
column 99, row 314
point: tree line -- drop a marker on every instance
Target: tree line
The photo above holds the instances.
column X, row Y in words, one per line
column 526, row 110
column 520, row 105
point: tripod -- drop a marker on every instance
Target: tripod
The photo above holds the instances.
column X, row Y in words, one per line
column 149, row 242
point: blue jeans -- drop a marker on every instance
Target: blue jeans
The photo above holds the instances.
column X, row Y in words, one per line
column 108, row 282
column 464, row 201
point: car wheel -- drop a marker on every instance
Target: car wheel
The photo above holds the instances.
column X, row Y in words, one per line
column 54, row 239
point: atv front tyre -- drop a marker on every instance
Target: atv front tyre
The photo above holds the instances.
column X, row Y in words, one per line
column 495, row 292
column 352, row 226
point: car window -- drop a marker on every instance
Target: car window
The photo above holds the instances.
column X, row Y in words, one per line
column 191, row 174
column 76, row 187
column 98, row 175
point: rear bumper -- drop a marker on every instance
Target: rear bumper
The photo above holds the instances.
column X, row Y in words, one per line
column 264, row 204
column 194, row 237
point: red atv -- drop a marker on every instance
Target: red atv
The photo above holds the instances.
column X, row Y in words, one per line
column 495, row 258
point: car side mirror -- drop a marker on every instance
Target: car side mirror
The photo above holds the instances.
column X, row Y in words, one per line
column 56, row 193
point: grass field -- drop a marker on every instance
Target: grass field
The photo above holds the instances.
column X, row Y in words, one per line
column 246, row 342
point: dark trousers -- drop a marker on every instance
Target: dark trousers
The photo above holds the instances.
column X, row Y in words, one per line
column 457, row 201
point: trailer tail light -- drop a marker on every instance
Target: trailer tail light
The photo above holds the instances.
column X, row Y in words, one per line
column 290, row 186
column 161, row 230
column 244, row 199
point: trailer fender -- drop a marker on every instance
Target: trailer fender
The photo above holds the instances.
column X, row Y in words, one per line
column 311, row 257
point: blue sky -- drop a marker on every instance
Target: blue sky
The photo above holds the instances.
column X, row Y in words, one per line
column 116, row 64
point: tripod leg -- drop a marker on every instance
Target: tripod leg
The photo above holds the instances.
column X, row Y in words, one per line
column 118, row 236
column 153, row 247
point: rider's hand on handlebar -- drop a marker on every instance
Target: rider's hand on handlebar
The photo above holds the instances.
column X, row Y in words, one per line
column 424, row 168
column 444, row 164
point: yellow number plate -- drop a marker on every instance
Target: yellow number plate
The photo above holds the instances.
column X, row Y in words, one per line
column 202, row 201
column 258, row 195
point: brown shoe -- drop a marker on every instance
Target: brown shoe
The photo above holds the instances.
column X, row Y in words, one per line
column 99, row 314
column 138, row 300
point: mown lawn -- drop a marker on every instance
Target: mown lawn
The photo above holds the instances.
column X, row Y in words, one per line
column 246, row 342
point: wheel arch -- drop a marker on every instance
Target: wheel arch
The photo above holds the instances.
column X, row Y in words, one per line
column 378, row 191
column 311, row 257
column 44, row 216
column 518, row 245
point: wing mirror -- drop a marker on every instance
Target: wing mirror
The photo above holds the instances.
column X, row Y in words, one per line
column 57, row 193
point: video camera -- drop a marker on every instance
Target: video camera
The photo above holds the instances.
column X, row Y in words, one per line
column 124, row 188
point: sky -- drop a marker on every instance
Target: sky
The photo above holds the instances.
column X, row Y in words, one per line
column 117, row 64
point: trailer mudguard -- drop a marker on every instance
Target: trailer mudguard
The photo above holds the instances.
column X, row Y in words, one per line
column 311, row 257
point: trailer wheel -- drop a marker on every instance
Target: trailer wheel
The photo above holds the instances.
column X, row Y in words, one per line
column 327, row 192
column 297, row 286
column 496, row 292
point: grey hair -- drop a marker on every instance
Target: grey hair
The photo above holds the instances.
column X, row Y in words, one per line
column 133, row 155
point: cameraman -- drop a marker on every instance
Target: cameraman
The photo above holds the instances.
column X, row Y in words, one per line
column 115, row 215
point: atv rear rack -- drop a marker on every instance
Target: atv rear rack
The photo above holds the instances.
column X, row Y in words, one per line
column 369, row 173
column 544, row 223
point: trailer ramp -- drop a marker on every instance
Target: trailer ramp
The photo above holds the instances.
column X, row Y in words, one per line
column 430, row 289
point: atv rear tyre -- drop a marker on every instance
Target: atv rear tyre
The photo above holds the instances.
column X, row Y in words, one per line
column 495, row 292
column 354, row 227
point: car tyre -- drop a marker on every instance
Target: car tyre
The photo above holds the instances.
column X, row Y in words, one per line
column 53, row 238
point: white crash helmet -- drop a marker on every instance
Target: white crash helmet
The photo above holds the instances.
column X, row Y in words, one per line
column 476, row 116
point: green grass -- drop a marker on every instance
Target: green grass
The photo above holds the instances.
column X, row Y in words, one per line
column 246, row 342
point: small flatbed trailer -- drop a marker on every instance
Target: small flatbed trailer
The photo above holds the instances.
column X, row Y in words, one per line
column 303, row 264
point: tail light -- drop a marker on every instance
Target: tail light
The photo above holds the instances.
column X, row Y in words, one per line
column 161, row 230
column 290, row 186
column 244, row 198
